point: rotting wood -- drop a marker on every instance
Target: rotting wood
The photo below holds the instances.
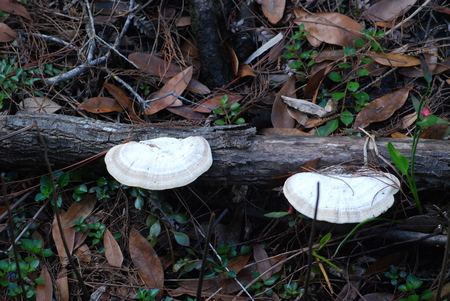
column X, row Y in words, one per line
column 240, row 156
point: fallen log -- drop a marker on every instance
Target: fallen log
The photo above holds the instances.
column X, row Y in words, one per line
column 240, row 156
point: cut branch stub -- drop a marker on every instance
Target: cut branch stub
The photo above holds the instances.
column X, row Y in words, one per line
column 160, row 163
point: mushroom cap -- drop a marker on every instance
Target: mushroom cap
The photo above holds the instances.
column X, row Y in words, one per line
column 160, row 163
column 343, row 198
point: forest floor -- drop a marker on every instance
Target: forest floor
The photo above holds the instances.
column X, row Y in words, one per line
column 324, row 68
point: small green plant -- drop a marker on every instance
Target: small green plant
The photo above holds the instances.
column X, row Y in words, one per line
column 410, row 286
column 424, row 119
column 299, row 58
column 394, row 274
column 371, row 35
column 228, row 112
column 27, row 265
column 149, row 295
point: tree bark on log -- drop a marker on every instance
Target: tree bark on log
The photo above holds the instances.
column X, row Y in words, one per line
column 240, row 156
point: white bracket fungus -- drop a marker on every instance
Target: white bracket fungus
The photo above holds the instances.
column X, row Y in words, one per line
column 343, row 197
column 160, row 163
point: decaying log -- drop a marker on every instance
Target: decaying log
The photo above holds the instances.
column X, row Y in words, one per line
column 240, row 156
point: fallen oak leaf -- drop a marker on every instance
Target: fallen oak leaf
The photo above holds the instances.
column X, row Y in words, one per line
column 381, row 108
column 177, row 85
column 100, row 105
column 123, row 100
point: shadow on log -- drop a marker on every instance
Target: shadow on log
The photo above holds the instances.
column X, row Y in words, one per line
column 240, row 156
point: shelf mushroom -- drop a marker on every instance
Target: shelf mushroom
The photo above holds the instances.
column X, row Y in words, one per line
column 160, row 163
column 343, row 197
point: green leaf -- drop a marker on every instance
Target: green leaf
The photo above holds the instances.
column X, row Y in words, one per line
column 270, row 281
column 46, row 185
column 363, row 96
column 102, row 181
column 139, row 203
column 155, row 229
column 430, row 120
column 276, row 214
column 358, row 43
column 219, row 122
column 63, row 180
column 328, row 128
column 296, row 65
column 231, row 274
column 181, row 238
column 345, row 65
column 288, row 55
column 235, row 106
column 180, row 218
column 335, row 76
column 338, row 95
column 399, row 160
column 346, row 117
column 80, row 189
column 323, row 241
column 239, row 121
column 366, row 60
column 363, row 72
column 353, row 86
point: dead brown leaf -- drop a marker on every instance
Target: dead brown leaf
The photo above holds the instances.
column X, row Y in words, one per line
column 186, row 112
column 387, row 10
column 62, row 283
column 436, row 131
column 245, row 70
column 6, row 33
column 100, row 105
column 214, row 102
column 381, row 108
column 177, row 84
column 39, row 105
column 14, row 8
column 377, row 297
column 77, row 210
column 123, row 100
column 44, row 291
column 273, row 9
column 113, row 253
column 329, row 27
column 262, row 262
column 280, row 116
column 282, row 132
column 69, row 235
column 393, row 60
column 151, row 64
column 146, row 260
column 83, row 253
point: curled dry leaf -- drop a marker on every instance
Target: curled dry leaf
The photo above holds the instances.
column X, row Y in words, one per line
column 280, row 116
column 394, row 60
column 146, row 260
column 113, row 253
column 6, row 33
column 381, row 108
column 273, row 9
column 308, row 107
column 100, row 105
column 178, row 84
column 331, row 28
column 387, row 10
column 245, row 70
